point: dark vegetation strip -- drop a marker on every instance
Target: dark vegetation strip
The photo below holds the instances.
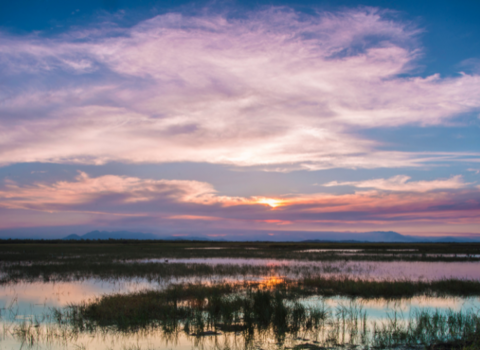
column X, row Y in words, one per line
column 387, row 289
column 114, row 271
column 308, row 280
column 115, row 250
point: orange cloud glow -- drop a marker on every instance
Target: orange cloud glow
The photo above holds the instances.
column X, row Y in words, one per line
column 272, row 202
column 181, row 201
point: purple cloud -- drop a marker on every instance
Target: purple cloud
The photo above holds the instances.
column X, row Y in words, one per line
column 111, row 200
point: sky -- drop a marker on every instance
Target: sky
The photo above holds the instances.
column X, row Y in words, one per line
column 223, row 119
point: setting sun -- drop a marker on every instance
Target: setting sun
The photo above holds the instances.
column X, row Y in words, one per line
column 270, row 201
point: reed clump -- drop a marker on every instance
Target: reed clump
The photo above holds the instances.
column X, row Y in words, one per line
column 141, row 308
column 226, row 307
column 433, row 330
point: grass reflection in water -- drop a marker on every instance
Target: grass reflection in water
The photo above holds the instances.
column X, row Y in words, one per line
column 274, row 314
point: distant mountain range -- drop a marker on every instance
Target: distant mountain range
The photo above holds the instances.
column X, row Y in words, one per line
column 375, row 236
column 387, row 237
column 94, row 235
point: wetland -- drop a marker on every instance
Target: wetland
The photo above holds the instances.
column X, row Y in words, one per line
column 247, row 295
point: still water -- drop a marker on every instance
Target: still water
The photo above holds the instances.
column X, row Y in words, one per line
column 27, row 307
column 378, row 270
column 28, row 317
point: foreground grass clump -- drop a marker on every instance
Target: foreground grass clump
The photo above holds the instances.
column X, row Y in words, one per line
column 453, row 330
column 176, row 302
column 227, row 306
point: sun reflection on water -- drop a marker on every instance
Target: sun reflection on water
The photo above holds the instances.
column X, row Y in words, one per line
column 270, row 282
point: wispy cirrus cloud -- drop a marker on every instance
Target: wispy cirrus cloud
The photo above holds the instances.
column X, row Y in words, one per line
column 476, row 171
column 402, row 183
column 273, row 88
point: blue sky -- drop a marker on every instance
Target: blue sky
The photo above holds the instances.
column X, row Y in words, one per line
column 203, row 118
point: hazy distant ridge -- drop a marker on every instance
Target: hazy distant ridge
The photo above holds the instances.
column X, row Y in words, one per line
column 375, row 236
column 93, row 235
column 387, row 237
column 112, row 235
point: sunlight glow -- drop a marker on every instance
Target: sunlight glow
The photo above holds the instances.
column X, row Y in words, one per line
column 271, row 281
column 270, row 201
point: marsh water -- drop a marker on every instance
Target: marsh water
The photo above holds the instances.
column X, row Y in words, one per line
column 376, row 270
column 29, row 310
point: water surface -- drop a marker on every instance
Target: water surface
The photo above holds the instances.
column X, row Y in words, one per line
column 375, row 270
column 27, row 307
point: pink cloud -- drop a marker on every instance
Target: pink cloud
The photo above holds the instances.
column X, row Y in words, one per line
column 274, row 89
column 402, row 183
column 114, row 200
column 86, row 190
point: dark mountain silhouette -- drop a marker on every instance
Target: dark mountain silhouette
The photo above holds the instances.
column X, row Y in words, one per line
column 387, row 237
column 73, row 237
column 103, row 235
column 112, row 235
column 349, row 237
column 189, row 238
column 346, row 237
column 448, row 239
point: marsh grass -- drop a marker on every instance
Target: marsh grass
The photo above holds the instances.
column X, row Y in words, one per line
column 199, row 309
column 354, row 287
column 109, row 251
column 247, row 311
column 109, row 260
column 453, row 330
column 251, row 311
column 224, row 302
column 307, row 279
column 245, row 317
column 55, row 272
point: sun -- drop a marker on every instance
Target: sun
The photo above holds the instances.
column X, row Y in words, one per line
column 270, row 201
